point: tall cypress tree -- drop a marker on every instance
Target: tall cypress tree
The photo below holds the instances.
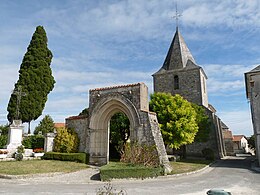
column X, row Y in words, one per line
column 35, row 80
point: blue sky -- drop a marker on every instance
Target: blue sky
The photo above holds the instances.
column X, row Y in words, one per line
column 111, row 42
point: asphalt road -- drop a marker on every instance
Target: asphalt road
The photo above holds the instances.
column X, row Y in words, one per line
column 233, row 175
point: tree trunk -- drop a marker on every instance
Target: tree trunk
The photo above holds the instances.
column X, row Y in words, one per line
column 29, row 127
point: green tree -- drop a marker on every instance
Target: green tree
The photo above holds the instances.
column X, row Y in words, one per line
column 203, row 122
column 84, row 112
column 119, row 128
column 251, row 141
column 66, row 141
column 177, row 119
column 46, row 125
column 3, row 135
column 35, row 80
column 4, row 129
column 119, row 134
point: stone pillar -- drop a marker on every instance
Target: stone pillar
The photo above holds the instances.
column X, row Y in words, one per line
column 15, row 135
column 49, row 142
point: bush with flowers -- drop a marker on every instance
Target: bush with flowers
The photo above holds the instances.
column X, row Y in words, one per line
column 3, row 152
column 38, row 150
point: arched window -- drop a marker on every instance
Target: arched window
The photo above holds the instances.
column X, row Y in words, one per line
column 176, row 82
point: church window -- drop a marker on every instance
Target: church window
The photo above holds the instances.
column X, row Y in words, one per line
column 176, row 82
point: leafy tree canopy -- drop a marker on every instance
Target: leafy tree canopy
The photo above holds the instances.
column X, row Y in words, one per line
column 84, row 112
column 4, row 129
column 35, row 80
column 46, row 126
column 177, row 119
column 119, row 128
column 203, row 122
column 251, row 141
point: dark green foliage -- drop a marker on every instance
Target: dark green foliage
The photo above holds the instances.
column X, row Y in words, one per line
column 84, row 112
column 119, row 134
column 119, row 128
column 208, row 154
column 35, row 79
column 4, row 129
column 76, row 157
column 251, row 141
column 46, row 126
column 203, row 122
column 66, row 141
column 123, row 170
column 3, row 140
column 33, row 141
column 4, row 135
column 19, row 156
column 177, row 119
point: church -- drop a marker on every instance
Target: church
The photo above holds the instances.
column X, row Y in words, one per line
column 181, row 75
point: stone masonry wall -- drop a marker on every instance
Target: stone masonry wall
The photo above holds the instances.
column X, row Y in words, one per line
column 215, row 141
column 79, row 124
column 189, row 84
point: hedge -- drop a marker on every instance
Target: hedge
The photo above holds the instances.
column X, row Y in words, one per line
column 33, row 141
column 76, row 157
column 123, row 170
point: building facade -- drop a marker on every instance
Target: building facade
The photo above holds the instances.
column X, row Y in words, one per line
column 252, row 80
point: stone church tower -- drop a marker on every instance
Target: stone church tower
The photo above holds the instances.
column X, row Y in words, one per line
column 181, row 75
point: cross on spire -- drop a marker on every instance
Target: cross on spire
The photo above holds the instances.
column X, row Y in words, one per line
column 177, row 16
column 19, row 93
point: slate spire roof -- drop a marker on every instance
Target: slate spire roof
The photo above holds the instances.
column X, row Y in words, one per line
column 178, row 54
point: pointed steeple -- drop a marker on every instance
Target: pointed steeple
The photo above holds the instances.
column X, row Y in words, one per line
column 178, row 54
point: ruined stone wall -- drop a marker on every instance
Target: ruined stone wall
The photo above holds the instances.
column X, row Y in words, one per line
column 136, row 93
column 79, row 124
column 190, row 84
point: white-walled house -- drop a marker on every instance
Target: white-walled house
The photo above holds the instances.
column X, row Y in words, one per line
column 240, row 144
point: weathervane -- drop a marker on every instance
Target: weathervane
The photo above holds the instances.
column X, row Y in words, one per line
column 177, row 15
column 19, row 93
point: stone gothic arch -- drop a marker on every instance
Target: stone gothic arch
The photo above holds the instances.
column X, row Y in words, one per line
column 132, row 100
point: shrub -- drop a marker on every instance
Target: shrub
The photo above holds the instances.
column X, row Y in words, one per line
column 208, row 154
column 19, row 156
column 66, row 141
column 33, row 141
column 140, row 154
column 3, row 140
column 20, row 149
column 76, row 157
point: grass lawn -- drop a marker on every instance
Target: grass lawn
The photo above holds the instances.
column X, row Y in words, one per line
column 124, row 170
column 39, row 166
column 185, row 166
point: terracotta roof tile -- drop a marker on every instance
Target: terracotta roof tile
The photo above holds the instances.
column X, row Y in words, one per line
column 237, row 138
column 115, row 87
column 76, row 117
column 59, row 125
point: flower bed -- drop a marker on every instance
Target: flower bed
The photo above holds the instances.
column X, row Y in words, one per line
column 3, row 153
column 38, row 152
